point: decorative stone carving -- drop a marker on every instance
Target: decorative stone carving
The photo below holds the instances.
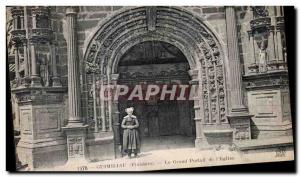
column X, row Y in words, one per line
column 112, row 36
column 260, row 11
column 278, row 80
column 266, row 33
column 75, row 146
column 151, row 18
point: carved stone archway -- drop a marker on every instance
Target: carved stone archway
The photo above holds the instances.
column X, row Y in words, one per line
column 173, row 25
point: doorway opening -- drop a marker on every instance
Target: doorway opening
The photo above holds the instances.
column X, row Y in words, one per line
column 167, row 123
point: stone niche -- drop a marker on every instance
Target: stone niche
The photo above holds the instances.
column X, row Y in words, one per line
column 42, row 142
column 271, row 110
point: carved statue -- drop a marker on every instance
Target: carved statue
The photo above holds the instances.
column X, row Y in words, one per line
column 262, row 57
column 44, row 70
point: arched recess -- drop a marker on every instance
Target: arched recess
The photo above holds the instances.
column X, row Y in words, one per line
column 173, row 25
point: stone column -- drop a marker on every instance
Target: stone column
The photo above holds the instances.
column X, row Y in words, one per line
column 26, row 65
column 278, row 10
column 17, row 63
column 102, row 106
column 22, row 21
column 279, row 45
column 35, row 78
column 33, row 20
column 26, row 69
column 198, row 101
column 109, row 101
column 251, row 48
column 252, row 66
column 238, row 111
column 271, row 44
column 73, row 69
column 55, row 79
column 14, row 22
column 115, row 116
column 234, row 60
column 75, row 128
column 96, row 129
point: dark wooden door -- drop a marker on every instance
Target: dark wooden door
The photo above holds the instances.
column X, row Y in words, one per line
column 168, row 118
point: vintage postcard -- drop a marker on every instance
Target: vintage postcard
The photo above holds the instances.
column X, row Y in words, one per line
column 143, row 88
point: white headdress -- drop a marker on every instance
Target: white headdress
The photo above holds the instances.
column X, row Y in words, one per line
column 127, row 110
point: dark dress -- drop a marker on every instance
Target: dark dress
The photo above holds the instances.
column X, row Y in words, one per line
column 131, row 139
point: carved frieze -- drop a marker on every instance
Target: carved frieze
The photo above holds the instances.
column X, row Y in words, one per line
column 39, row 95
column 272, row 80
column 42, row 34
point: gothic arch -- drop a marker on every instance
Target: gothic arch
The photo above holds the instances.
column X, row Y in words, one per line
column 173, row 25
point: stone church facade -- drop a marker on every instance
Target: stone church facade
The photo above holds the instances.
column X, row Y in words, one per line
column 59, row 56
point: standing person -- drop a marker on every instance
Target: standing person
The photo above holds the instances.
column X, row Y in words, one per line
column 131, row 141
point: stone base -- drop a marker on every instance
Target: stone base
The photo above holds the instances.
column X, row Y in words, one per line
column 100, row 147
column 214, row 135
column 76, row 136
column 261, row 131
column 36, row 81
column 239, row 119
column 42, row 153
column 219, row 137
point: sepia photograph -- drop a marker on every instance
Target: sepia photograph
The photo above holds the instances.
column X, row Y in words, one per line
column 147, row 88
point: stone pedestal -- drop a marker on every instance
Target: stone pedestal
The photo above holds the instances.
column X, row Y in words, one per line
column 216, row 135
column 42, row 143
column 271, row 110
column 239, row 119
column 76, row 136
